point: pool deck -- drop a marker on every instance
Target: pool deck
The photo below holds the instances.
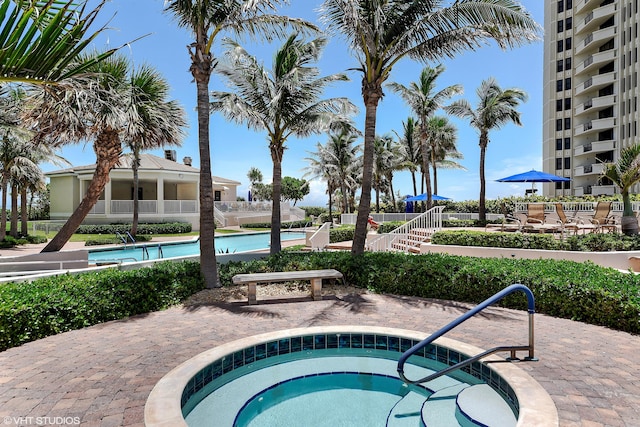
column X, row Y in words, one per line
column 103, row 374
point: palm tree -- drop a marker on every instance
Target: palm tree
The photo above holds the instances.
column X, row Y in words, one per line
column 384, row 163
column 321, row 168
column 442, row 149
column 409, row 150
column 283, row 101
column 153, row 121
column 207, row 19
column 381, row 33
column 625, row 173
column 345, row 163
column 496, row 108
column 42, row 39
column 424, row 100
column 96, row 106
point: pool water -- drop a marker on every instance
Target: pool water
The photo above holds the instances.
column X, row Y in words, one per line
column 223, row 244
column 353, row 399
column 341, row 387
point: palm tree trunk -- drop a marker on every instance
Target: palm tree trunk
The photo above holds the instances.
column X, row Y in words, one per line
column 346, row 206
column 427, row 174
column 3, row 217
column 24, row 212
column 13, row 230
column 276, row 222
column 108, row 150
column 435, row 174
column 134, row 166
column 415, row 187
column 208, row 264
column 372, row 96
column 201, row 68
column 482, row 214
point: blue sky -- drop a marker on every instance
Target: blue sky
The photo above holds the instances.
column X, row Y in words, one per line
column 235, row 149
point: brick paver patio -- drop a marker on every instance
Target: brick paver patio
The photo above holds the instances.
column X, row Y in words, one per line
column 102, row 375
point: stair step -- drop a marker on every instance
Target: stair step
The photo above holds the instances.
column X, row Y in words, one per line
column 482, row 405
column 440, row 409
column 407, row 412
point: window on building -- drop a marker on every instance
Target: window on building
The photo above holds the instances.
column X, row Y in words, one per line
column 567, row 162
column 569, row 4
column 558, row 185
column 568, row 23
column 560, row 6
column 567, row 185
column 567, row 63
column 559, row 65
column 558, row 124
column 560, row 26
column 567, row 83
column 560, row 47
column 567, row 123
column 567, row 43
column 558, row 143
column 558, row 163
column 558, row 85
column 567, row 143
column 558, row 105
column 567, row 103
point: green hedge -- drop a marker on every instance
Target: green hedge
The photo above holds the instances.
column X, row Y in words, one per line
column 160, row 228
column 580, row 291
column 592, row 242
column 342, row 233
column 498, row 239
column 115, row 240
column 47, row 306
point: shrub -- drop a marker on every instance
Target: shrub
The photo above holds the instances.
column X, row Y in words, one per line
column 285, row 225
column 160, row 228
column 114, row 240
column 495, row 239
column 342, row 233
column 47, row 306
column 579, row 291
column 389, row 226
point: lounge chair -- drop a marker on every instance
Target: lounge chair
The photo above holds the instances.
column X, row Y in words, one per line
column 536, row 220
column 602, row 219
column 573, row 224
column 509, row 222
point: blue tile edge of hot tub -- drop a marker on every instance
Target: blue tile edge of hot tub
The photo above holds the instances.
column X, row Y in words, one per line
column 198, row 387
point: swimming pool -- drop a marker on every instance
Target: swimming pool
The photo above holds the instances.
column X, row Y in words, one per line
column 308, row 374
column 234, row 243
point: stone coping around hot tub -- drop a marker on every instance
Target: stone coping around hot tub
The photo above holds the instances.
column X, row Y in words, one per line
column 163, row 407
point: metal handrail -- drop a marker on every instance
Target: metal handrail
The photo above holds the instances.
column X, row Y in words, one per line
column 486, row 303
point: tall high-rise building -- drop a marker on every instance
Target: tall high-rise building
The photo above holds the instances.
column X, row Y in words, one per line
column 590, row 90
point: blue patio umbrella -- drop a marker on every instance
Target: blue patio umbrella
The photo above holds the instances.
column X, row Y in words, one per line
column 423, row 197
column 533, row 176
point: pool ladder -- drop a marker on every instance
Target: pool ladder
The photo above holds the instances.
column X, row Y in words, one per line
column 124, row 238
column 145, row 252
column 513, row 349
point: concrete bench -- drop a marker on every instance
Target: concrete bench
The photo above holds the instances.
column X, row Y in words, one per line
column 315, row 276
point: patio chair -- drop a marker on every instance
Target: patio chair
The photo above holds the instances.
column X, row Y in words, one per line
column 602, row 219
column 509, row 222
column 536, row 220
column 573, row 224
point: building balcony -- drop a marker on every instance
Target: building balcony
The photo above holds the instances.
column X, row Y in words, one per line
column 595, row 190
column 594, row 148
column 146, row 207
column 593, row 169
column 595, row 104
column 595, row 126
column 595, row 39
column 595, row 61
column 585, row 5
column 596, row 82
column 595, row 18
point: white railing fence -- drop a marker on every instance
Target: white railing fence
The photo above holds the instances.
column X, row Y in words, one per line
column 585, row 207
column 320, row 239
column 430, row 220
column 350, row 219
